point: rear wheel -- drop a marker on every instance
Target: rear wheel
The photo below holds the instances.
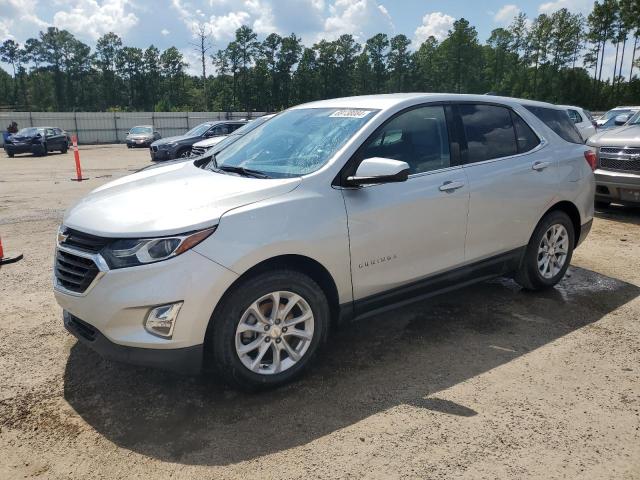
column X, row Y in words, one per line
column 548, row 253
column 64, row 148
column 268, row 329
column 45, row 150
column 10, row 155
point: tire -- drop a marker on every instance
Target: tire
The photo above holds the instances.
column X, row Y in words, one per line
column 529, row 274
column 45, row 150
column 225, row 337
column 602, row 204
column 10, row 155
column 184, row 153
column 64, row 149
column 129, row 146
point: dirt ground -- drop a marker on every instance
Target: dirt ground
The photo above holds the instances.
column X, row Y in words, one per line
column 487, row 382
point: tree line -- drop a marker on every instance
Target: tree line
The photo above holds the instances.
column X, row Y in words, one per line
column 556, row 57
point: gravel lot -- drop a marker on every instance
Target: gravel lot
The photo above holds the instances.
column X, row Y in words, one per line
column 487, row 382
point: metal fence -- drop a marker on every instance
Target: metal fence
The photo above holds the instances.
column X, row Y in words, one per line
column 112, row 127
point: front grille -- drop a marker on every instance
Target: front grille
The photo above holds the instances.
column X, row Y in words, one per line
column 620, row 158
column 197, row 151
column 84, row 241
column 81, row 328
column 73, row 272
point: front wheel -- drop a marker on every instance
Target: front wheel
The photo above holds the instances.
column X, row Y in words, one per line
column 186, row 153
column 548, row 253
column 268, row 329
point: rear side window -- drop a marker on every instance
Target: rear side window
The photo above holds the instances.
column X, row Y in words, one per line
column 575, row 116
column 525, row 137
column 489, row 132
column 558, row 121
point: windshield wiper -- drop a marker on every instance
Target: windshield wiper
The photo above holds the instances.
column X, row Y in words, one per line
column 247, row 172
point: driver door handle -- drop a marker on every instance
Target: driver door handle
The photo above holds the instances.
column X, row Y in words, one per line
column 450, row 186
column 539, row 166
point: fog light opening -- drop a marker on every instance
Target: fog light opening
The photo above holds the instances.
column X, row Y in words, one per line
column 162, row 320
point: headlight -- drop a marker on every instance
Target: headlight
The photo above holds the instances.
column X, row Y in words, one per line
column 130, row 252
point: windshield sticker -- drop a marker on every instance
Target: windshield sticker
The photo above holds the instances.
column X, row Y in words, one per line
column 350, row 113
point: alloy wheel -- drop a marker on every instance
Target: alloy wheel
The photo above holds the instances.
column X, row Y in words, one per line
column 274, row 333
column 553, row 251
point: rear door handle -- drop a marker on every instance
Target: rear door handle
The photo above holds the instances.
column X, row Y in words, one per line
column 450, row 186
column 539, row 166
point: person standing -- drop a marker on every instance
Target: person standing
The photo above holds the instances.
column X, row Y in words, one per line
column 13, row 128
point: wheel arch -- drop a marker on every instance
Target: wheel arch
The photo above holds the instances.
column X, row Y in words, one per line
column 572, row 211
column 300, row 263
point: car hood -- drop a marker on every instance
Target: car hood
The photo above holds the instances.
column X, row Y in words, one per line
column 166, row 201
column 210, row 142
column 628, row 136
column 140, row 135
column 21, row 138
column 177, row 138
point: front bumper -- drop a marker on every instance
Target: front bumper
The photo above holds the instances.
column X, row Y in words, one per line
column 14, row 149
column 133, row 142
column 615, row 187
column 186, row 360
column 161, row 155
column 118, row 302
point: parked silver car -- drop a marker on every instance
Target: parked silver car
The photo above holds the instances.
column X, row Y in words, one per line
column 328, row 212
column 618, row 173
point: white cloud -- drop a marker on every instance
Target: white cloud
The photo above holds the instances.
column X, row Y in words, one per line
column 360, row 18
column 575, row 6
column 93, row 19
column 5, row 27
column 435, row 24
column 165, row 32
column 506, row 13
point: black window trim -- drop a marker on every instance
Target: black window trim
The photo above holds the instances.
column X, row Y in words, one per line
column 351, row 166
column 465, row 152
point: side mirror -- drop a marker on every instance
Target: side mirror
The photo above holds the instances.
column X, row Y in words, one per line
column 621, row 119
column 379, row 170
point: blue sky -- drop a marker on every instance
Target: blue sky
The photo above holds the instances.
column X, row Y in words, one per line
column 170, row 22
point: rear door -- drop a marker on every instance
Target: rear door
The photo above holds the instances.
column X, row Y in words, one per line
column 512, row 178
column 403, row 232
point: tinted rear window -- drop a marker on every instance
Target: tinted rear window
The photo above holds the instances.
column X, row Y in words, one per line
column 558, row 121
column 489, row 132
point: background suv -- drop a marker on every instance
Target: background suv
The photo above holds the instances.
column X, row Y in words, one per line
column 328, row 212
column 618, row 173
column 180, row 146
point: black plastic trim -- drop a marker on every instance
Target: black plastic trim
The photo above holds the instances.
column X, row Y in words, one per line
column 186, row 361
column 585, row 228
column 434, row 285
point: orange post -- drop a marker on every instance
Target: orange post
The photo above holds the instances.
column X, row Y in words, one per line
column 76, row 154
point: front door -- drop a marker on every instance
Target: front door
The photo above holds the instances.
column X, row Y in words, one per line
column 403, row 232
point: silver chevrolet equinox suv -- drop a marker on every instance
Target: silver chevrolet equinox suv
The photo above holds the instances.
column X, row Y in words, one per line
column 328, row 212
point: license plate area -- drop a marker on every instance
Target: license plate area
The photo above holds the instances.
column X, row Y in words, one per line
column 630, row 195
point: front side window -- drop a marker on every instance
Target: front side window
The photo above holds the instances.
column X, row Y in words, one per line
column 489, row 132
column 558, row 121
column 296, row 142
column 418, row 137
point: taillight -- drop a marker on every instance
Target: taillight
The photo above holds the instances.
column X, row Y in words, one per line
column 591, row 158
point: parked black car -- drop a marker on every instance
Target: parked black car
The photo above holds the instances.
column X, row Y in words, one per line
column 142, row 136
column 37, row 140
column 180, row 146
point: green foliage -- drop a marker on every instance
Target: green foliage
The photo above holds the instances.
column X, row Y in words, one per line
column 557, row 57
